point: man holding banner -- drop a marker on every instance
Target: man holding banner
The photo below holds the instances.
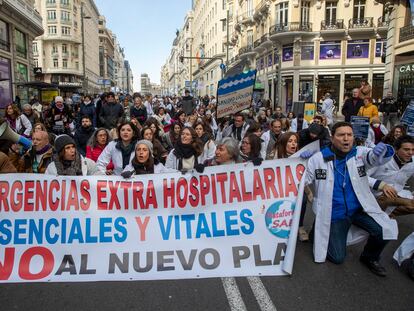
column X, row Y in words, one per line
column 343, row 198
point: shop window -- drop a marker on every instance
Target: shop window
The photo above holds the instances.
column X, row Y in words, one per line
column 4, row 36
column 5, row 82
column 20, row 38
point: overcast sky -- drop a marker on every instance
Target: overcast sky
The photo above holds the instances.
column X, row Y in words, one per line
column 146, row 29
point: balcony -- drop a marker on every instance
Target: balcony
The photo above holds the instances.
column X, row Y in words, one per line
column 4, row 45
column 51, row 5
column 358, row 23
column 332, row 25
column 247, row 51
column 289, row 29
column 257, row 43
column 262, row 10
column 382, row 22
column 407, row 33
column 52, row 21
column 247, row 18
column 66, row 22
column 25, row 11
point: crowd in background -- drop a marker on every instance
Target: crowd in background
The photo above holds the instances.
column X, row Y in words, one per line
column 116, row 134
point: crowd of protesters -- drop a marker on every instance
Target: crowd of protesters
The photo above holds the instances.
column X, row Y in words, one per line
column 359, row 182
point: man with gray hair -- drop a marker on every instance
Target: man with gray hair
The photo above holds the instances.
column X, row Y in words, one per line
column 352, row 105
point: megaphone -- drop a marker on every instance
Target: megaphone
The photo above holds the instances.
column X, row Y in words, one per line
column 8, row 134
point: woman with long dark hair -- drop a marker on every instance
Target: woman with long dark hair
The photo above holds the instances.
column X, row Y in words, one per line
column 186, row 153
column 18, row 121
column 159, row 152
column 395, row 133
column 170, row 138
column 206, row 136
column 121, row 151
column 286, row 146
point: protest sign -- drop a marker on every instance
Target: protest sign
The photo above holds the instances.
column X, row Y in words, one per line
column 236, row 220
column 235, row 93
column 309, row 112
column 360, row 126
column 408, row 115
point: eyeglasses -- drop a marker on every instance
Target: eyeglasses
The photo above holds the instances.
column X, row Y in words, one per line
column 245, row 143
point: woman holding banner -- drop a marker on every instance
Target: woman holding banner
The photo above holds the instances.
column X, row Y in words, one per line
column 120, row 151
column 144, row 161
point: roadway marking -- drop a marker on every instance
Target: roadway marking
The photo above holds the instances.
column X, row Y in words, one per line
column 233, row 294
column 261, row 294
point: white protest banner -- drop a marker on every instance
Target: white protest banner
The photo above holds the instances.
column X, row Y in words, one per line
column 234, row 220
column 235, row 93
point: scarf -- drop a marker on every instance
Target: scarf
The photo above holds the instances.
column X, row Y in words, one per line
column 183, row 151
column 378, row 134
column 68, row 168
column 205, row 138
column 126, row 151
column 237, row 131
column 272, row 141
column 143, row 168
column 43, row 150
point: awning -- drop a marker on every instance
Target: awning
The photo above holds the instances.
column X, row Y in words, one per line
column 38, row 85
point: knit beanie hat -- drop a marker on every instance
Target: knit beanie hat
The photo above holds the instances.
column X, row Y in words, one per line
column 146, row 143
column 315, row 129
column 59, row 99
column 61, row 141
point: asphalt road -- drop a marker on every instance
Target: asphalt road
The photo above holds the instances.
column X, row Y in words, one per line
column 312, row 286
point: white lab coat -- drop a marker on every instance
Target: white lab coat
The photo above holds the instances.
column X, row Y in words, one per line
column 294, row 125
column 327, row 110
column 112, row 153
column 406, row 249
column 322, row 202
column 391, row 174
column 89, row 168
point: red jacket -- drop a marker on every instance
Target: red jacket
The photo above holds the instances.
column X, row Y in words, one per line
column 94, row 153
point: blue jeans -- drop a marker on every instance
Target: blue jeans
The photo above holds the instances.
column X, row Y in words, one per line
column 339, row 232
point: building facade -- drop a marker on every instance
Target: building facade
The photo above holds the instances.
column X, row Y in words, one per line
column 59, row 49
column 20, row 23
column 209, row 33
column 399, row 73
column 145, row 84
column 106, row 55
column 304, row 49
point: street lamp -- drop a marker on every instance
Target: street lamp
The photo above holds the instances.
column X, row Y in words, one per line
column 83, row 17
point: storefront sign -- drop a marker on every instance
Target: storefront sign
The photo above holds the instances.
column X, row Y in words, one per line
column 287, row 51
column 357, row 49
column 406, row 68
column 70, row 84
column 330, row 50
column 232, row 220
column 48, row 96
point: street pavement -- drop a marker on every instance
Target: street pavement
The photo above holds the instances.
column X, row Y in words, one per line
column 312, row 286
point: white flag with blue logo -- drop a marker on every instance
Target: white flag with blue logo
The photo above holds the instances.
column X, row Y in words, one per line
column 235, row 93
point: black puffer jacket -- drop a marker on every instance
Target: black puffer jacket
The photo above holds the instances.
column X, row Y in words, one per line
column 110, row 115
